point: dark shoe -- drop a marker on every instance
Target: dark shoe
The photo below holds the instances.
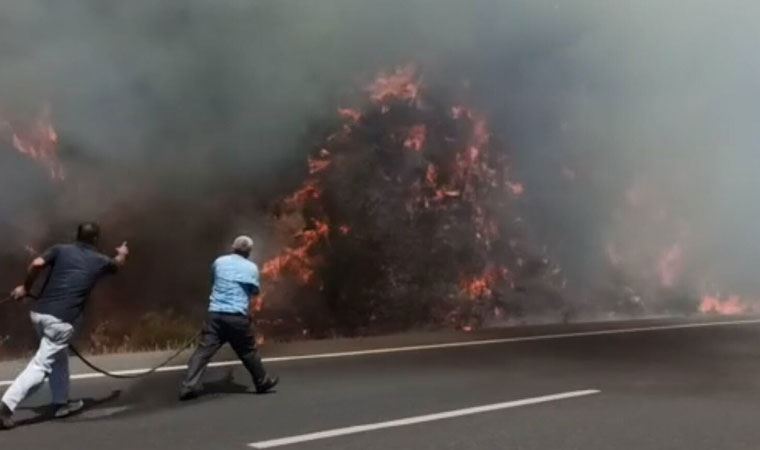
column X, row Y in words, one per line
column 67, row 409
column 186, row 394
column 267, row 384
column 6, row 418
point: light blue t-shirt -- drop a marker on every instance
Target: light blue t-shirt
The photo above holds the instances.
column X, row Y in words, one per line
column 236, row 280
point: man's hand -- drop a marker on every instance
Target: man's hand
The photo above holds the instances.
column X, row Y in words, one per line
column 122, row 252
column 19, row 293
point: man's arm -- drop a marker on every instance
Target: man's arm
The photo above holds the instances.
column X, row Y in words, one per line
column 32, row 272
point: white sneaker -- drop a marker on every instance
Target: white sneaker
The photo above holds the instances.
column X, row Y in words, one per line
column 65, row 410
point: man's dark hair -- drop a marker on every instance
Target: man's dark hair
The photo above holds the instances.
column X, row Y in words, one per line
column 88, row 233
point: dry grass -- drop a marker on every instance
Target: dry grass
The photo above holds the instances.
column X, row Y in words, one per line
column 154, row 331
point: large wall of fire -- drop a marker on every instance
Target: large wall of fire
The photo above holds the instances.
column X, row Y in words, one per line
column 409, row 212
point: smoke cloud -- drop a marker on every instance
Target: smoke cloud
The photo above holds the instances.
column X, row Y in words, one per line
column 631, row 124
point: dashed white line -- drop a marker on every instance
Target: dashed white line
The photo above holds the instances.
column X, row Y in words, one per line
column 413, row 348
column 418, row 419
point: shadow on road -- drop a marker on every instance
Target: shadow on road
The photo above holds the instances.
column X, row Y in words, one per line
column 46, row 413
column 142, row 398
column 161, row 393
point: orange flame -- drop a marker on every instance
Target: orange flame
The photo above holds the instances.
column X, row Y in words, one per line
column 481, row 287
column 39, row 141
column 478, row 288
column 401, row 84
column 351, row 114
column 318, row 165
column 297, row 261
column 309, row 191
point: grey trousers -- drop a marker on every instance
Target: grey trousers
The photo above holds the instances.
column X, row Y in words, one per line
column 218, row 330
column 51, row 361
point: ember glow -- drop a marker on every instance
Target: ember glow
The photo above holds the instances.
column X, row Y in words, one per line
column 516, row 188
column 482, row 287
column 416, row 138
column 726, row 306
column 38, row 140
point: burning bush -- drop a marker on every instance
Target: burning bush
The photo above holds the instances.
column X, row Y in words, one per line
column 406, row 217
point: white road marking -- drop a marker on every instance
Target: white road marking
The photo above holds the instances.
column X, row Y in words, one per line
column 413, row 348
column 99, row 413
column 418, row 419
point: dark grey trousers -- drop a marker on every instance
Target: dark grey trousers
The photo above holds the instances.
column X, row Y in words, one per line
column 218, row 330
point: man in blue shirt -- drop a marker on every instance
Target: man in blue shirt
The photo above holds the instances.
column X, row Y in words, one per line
column 235, row 283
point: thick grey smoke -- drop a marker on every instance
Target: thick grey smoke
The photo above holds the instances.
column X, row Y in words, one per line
column 632, row 123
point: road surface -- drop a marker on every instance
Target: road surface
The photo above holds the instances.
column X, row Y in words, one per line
column 636, row 385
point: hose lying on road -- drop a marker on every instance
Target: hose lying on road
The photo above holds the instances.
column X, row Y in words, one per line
column 133, row 375
column 147, row 372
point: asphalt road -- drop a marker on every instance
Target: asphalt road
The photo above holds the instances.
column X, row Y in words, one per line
column 673, row 388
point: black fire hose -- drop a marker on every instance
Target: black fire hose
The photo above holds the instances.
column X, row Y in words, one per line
column 101, row 371
column 133, row 375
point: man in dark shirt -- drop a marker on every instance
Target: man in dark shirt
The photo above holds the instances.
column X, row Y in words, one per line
column 74, row 270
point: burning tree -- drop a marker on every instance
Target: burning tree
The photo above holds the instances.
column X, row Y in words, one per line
column 407, row 216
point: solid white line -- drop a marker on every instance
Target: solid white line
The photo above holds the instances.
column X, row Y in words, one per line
column 412, row 348
column 418, row 419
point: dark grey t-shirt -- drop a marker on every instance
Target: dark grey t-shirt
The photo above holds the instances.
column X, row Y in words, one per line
column 74, row 270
